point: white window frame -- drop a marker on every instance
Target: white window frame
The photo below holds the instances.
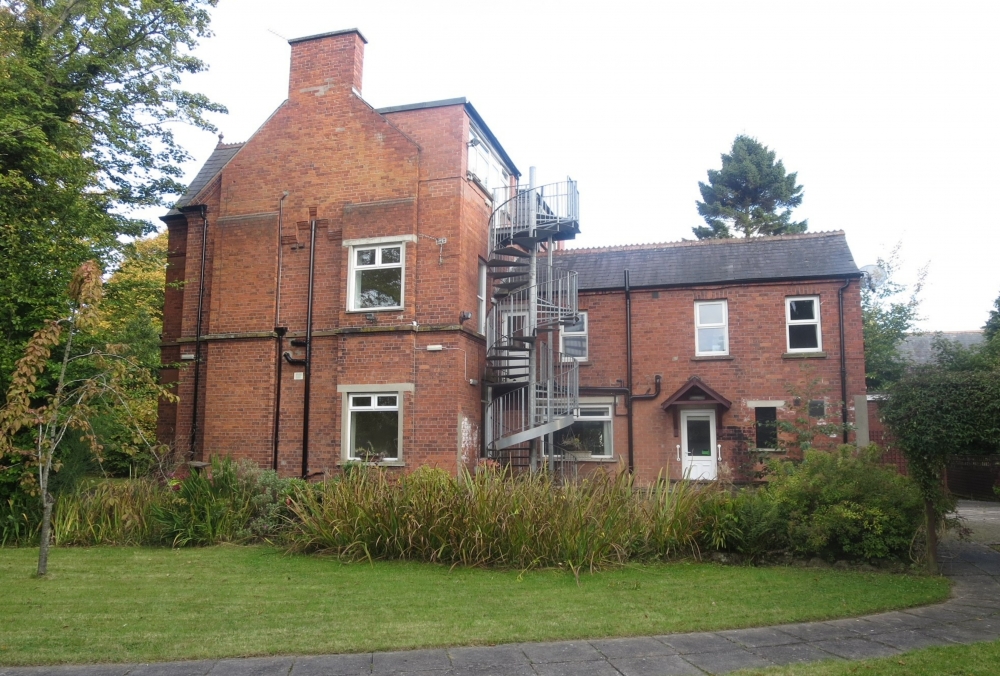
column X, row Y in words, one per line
column 481, row 297
column 585, row 334
column 724, row 325
column 607, row 417
column 803, row 322
column 349, row 392
column 484, row 165
column 354, row 268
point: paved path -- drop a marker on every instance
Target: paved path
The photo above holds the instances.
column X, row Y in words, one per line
column 971, row 615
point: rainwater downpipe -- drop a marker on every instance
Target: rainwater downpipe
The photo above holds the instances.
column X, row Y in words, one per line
column 628, row 369
column 279, row 335
column 843, row 359
column 197, row 338
column 309, row 346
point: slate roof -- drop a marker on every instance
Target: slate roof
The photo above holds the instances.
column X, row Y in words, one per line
column 918, row 348
column 809, row 256
column 219, row 158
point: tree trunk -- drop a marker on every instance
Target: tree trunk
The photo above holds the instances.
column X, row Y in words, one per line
column 43, row 545
column 931, row 520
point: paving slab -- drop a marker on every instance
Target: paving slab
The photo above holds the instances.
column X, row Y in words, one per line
column 488, row 656
column 493, row 670
column 333, row 665
column 69, row 670
column 687, row 644
column 856, row 648
column 400, row 662
column 756, row 638
column 257, row 666
column 817, row 631
column 796, row 653
column 192, row 668
column 655, row 665
column 724, row 661
column 562, row 651
column 601, row 668
column 632, row 647
column 911, row 639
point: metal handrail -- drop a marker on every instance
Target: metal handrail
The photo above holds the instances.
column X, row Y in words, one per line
column 524, row 210
column 556, row 303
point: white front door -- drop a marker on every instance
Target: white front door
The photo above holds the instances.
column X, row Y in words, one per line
column 698, row 450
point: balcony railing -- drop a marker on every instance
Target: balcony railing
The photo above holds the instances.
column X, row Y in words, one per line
column 523, row 210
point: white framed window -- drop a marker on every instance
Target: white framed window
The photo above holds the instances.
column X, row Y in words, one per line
column 374, row 426
column 573, row 341
column 590, row 434
column 802, row 325
column 484, row 165
column 376, row 277
column 481, row 297
column 711, row 322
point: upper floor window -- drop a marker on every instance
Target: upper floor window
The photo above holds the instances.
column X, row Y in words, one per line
column 376, row 277
column 484, row 165
column 711, row 320
column 481, row 297
column 802, row 325
column 573, row 341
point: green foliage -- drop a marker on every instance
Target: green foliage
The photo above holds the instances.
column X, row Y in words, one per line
column 991, row 329
column 951, row 355
column 888, row 314
column 750, row 195
column 933, row 413
column 88, row 93
column 840, row 504
column 232, row 503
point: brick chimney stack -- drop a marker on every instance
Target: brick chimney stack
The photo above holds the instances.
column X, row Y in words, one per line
column 326, row 63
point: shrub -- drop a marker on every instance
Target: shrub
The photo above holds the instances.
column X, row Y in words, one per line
column 835, row 504
column 234, row 502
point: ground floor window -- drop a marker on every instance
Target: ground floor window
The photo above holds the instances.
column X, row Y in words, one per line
column 590, row 433
column 374, row 426
column 766, row 422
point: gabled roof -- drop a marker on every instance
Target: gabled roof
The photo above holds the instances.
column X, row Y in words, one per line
column 791, row 257
column 696, row 384
column 217, row 160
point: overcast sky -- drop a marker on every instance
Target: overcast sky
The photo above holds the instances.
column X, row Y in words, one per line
column 887, row 110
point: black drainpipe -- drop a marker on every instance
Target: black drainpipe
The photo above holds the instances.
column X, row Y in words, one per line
column 628, row 370
column 279, row 334
column 197, row 337
column 843, row 359
column 309, row 346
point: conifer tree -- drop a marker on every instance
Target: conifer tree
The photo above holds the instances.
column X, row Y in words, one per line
column 751, row 195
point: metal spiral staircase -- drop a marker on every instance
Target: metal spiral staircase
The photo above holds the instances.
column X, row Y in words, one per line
column 532, row 391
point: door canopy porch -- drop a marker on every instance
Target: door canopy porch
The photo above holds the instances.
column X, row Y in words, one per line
column 695, row 392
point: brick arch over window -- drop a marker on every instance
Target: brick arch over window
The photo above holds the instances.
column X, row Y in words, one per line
column 695, row 392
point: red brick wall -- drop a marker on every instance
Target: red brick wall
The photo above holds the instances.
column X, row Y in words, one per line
column 663, row 342
column 358, row 174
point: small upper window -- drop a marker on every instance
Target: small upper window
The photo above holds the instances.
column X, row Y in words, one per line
column 573, row 339
column 377, row 277
column 485, row 166
column 481, row 297
column 802, row 324
column 711, row 320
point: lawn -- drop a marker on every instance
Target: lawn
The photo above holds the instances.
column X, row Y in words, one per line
column 979, row 659
column 134, row 604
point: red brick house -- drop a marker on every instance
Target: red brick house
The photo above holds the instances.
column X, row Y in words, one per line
column 383, row 286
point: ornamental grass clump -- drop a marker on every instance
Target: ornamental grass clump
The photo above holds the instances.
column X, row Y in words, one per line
column 108, row 512
column 494, row 519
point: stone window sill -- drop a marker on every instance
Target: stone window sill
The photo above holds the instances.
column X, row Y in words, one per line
column 384, row 463
column 804, row 355
column 714, row 357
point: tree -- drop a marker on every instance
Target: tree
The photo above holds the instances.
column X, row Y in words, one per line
column 88, row 93
column 888, row 315
column 751, row 194
column 45, row 421
column 992, row 326
column 934, row 413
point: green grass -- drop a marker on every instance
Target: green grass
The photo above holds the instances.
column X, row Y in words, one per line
column 979, row 659
column 133, row 604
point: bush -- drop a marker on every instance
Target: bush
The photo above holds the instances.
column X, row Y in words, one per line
column 834, row 504
column 234, row 502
